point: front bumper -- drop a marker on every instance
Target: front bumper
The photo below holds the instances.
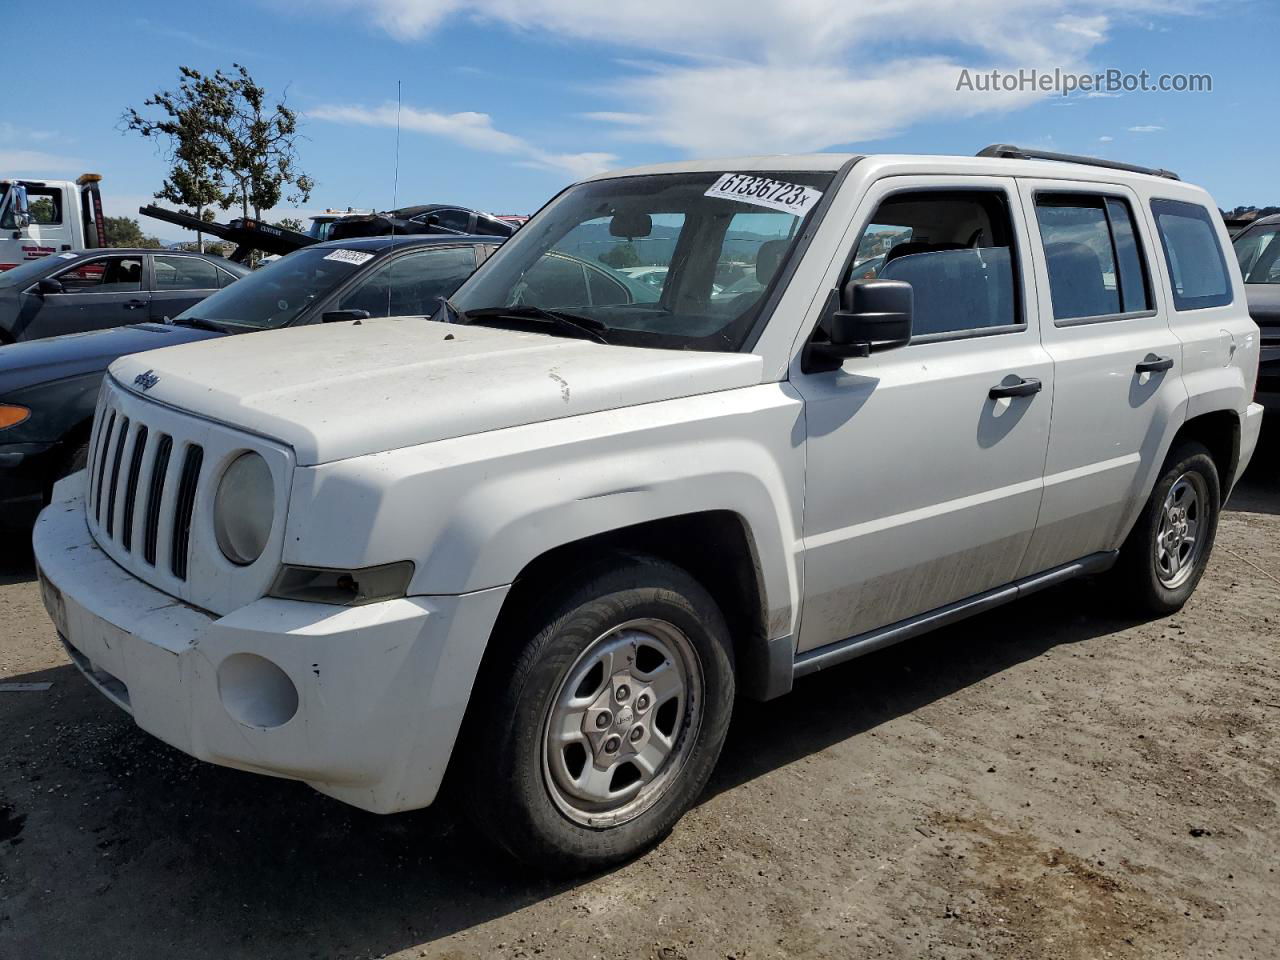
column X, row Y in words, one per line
column 362, row 703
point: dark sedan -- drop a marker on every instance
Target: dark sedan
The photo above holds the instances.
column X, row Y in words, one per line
column 1258, row 250
column 96, row 289
column 48, row 389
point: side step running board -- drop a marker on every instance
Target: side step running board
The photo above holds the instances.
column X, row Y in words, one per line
column 811, row 661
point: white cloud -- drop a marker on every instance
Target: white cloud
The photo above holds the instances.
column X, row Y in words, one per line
column 800, row 75
column 1146, row 128
column 37, row 162
column 1105, row 139
column 473, row 130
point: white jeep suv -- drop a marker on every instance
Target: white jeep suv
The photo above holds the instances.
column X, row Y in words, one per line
column 542, row 540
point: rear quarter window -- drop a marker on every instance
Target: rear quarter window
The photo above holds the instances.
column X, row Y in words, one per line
column 1197, row 266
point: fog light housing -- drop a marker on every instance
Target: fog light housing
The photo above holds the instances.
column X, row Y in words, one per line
column 347, row 588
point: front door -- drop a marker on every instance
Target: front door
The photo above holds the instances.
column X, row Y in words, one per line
column 1117, row 365
column 97, row 293
column 924, row 463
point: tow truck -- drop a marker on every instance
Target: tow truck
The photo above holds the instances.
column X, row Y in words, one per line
column 247, row 233
column 39, row 218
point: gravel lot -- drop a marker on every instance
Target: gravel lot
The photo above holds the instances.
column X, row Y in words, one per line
column 1043, row 781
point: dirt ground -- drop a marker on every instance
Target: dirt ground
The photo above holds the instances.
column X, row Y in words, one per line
column 1043, row 781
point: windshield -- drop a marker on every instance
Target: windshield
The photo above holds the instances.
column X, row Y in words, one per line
column 30, row 271
column 676, row 260
column 1258, row 251
column 276, row 294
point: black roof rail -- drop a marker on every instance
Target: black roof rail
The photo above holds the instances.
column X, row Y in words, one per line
column 1010, row 152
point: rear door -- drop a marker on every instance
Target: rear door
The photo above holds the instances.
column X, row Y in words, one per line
column 1117, row 364
column 178, row 282
column 97, row 292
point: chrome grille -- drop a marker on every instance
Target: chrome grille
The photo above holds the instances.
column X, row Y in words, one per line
column 132, row 465
column 152, row 473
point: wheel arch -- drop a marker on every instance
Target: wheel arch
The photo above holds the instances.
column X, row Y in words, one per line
column 717, row 548
column 1219, row 432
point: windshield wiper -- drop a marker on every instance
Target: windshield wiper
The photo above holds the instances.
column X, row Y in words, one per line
column 592, row 328
column 200, row 323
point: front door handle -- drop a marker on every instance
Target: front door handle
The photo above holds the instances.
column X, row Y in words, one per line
column 1026, row 387
column 134, row 304
column 1154, row 364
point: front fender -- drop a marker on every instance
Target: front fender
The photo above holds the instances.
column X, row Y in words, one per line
column 474, row 511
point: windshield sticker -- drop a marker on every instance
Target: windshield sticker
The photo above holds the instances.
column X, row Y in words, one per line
column 67, row 256
column 357, row 257
column 763, row 192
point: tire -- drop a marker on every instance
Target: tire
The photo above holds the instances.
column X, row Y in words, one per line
column 76, row 460
column 1149, row 576
column 600, row 661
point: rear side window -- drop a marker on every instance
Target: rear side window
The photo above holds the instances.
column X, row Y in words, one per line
column 185, row 273
column 1197, row 266
column 1093, row 256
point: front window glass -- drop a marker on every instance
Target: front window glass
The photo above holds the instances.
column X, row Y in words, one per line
column 677, row 260
column 956, row 251
column 276, row 294
column 1258, row 251
column 103, row 275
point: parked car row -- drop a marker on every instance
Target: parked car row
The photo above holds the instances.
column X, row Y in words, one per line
column 687, row 436
column 49, row 387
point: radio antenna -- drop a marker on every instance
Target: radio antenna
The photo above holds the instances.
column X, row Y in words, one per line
column 395, row 187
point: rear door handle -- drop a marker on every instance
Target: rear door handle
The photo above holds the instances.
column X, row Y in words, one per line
column 134, row 304
column 1154, row 364
column 1026, row 387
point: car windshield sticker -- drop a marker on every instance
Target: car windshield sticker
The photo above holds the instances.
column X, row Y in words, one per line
column 67, row 256
column 357, row 257
column 763, row 192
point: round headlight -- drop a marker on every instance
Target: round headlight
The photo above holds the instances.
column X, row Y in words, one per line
column 244, row 509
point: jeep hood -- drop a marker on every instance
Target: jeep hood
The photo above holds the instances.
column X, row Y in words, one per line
column 334, row 391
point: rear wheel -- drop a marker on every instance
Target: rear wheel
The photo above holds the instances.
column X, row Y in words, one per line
column 605, row 727
column 1168, row 549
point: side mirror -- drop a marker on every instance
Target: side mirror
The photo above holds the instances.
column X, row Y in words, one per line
column 343, row 316
column 870, row 316
column 21, row 207
column 49, row 285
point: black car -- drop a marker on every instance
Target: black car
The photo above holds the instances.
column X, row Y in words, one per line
column 48, row 389
column 96, row 289
column 425, row 218
column 1258, row 250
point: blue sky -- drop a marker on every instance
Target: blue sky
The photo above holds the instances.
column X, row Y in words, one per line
column 506, row 101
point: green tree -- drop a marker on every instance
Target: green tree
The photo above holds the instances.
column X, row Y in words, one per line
column 190, row 125
column 291, row 223
column 259, row 146
column 125, row 232
column 42, row 210
column 622, row 255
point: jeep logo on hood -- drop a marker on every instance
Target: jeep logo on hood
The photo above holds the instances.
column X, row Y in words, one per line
column 146, row 380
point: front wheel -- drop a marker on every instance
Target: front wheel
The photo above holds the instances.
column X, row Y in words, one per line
column 1168, row 549
column 605, row 726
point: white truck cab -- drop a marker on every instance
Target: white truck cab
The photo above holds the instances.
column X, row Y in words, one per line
column 543, row 541
column 39, row 218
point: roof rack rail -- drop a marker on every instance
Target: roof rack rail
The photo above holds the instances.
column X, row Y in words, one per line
column 1011, row 152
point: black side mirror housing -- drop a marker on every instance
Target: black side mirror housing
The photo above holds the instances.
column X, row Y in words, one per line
column 343, row 316
column 867, row 317
column 49, row 285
